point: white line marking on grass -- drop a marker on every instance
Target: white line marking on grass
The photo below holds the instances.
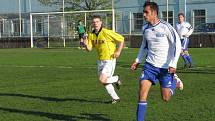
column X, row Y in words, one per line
column 69, row 67
column 62, row 67
column 201, row 67
column 40, row 66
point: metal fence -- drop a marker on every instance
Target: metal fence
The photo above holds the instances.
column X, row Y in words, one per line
column 125, row 22
column 58, row 29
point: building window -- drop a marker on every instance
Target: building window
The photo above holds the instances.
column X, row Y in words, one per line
column 170, row 17
column 38, row 26
column 15, row 29
column 199, row 17
column 138, row 21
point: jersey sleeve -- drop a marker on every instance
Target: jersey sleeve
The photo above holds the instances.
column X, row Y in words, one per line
column 90, row 40
column 143, row 48
column 175, row 45
column 115, row 36
column 190, row 30
column 142, row 52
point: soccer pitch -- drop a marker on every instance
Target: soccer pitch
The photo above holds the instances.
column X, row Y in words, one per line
column 61, row 84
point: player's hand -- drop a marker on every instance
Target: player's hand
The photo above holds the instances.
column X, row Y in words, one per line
column 172, row 70
column 134, row 66
column 85, row 41
column 185, row 35
column 116, row 54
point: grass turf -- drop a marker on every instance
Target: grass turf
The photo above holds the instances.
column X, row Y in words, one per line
column 61, row 84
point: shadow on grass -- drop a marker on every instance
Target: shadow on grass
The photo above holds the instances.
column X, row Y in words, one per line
column 85, row 116
column 52, row 98
column 194, row 70
column 202, row 70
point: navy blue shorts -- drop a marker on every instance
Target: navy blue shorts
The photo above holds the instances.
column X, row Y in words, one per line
column 81, row 35
column 184, row 44
column 156, row 75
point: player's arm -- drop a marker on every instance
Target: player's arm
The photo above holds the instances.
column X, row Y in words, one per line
column 88, row 43
column 141, row 54
column 176, row 44
column 190, row 30
column 134, row 65
column 119, row 39
column 88, row 48
column 119, row 49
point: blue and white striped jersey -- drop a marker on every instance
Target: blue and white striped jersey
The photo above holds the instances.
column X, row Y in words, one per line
column 184, row 29
column 161, row 45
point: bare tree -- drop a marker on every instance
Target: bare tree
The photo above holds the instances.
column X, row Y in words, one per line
column 76, row 5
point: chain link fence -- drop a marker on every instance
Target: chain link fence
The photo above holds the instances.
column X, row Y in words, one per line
column 58, row 29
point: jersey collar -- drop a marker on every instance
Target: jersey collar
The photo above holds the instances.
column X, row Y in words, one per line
column 94, row 32
column 156, row 23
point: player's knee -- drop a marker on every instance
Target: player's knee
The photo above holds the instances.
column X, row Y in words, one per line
column 166, row 94
column 183, row 52
column 103, row 81
column 186, row 52
column 166, row 98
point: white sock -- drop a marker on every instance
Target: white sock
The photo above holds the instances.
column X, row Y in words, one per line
column 111, row 91
column 112, row 79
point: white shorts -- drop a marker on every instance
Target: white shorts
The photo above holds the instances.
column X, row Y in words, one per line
column 106, row 67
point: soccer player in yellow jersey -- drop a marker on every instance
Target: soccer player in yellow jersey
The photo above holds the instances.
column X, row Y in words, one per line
column 105, row 42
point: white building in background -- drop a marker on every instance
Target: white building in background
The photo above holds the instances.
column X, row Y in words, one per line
column 129, row 17
column 14, row 16
column 196, row 11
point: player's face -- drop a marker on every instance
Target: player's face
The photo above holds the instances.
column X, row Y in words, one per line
column 149, row 15
column 181, row 18
column 97, row 24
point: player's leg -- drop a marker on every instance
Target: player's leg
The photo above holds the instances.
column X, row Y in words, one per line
column 81, row 40
column 183, row 48
column 79, row 36
column 189, row 59
column 187, row 55
column 114, row 79
column 148, row 77
column 109, row 80
column 184, row 57
column 105, row 69
column 145, row 86
column 168, row 84
column 81, row 43
column 110, row 68
column 179, row 83
column 107, row 72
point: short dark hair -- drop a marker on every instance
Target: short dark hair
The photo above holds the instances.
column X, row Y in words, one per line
column 181, row 14
column 97, row 16
column 152, row 5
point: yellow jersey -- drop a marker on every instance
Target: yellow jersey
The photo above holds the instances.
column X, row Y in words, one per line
column 104, row 43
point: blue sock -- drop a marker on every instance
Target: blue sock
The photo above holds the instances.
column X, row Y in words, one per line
column 141, row 110
column 184, row 56
column 173, row 85
column 189, row 59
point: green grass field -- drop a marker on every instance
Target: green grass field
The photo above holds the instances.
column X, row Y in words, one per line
column 61, row 84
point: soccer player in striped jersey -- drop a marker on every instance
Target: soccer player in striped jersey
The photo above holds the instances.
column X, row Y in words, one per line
column 105, row 41
column 161, row 47
column 184, row 30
